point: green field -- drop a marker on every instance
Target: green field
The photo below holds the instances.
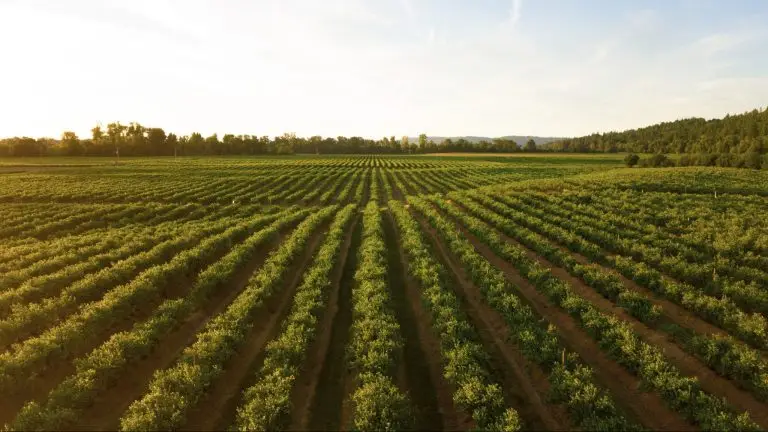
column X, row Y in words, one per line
column 484, row 291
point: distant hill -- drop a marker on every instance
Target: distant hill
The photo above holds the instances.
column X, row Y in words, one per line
column 740, row 133
column 519, row 139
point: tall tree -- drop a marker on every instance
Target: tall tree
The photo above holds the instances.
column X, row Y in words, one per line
column 156, row 141
column 422, row 141
column 172, row 143
column 71, row 144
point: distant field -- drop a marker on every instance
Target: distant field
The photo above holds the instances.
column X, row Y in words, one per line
column 604, row 156
column 548, row 292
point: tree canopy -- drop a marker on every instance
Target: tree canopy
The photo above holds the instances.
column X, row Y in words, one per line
column 737, row 134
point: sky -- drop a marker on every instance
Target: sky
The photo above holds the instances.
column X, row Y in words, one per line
column 376, row 68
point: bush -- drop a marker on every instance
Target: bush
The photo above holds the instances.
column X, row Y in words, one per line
column 656, row 161
column 631, row 160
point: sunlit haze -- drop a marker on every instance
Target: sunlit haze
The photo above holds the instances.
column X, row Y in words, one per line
column 377, row 68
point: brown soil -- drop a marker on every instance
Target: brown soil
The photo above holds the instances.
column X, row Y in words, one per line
column 675, row 313
column 305, row 390
column 647, row 408
column 684, row 318
column 396, row 193
column 422, row 368
column 687, row 364
column 40, row 383
column 383, row 198
column 329, row 404
column 355, row 180
column 367, row 186
column 217, row 410
column 409, row 188
column 524, row 384
column 105, row 412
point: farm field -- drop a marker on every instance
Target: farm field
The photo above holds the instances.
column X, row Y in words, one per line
column 500, row 292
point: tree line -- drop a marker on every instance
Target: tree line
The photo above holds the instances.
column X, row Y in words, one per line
column 737, row 134
column 137, row 140
column 740, row 134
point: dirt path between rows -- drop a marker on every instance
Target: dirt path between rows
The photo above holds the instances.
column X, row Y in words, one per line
column 687, row 364
column 217, row 410
column 329, row 407
column 686, row 318
column 106, row 412
column 421, row 367
column 674, row 312
column 396, row 192
column 305, row 398
column 524, row 384
column 647, row 408
column 39, row 385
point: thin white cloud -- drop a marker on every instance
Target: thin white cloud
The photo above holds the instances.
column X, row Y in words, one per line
column 367, row 67
column 515, row 12
column 722, row 42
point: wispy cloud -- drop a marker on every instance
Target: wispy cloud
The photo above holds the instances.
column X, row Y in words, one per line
column 722, row 42
column 515, row 12
column 372, row 67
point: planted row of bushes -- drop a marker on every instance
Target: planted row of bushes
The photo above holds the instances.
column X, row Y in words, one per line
column 267, row 404
column 656, row 249
column 33, row 355
column 173, row 392
column 103, row 367
column 375, row 345
column 617, row 339
column 751, row 328
column 571, row 382
column 345, row 193
column 464, row 358
column 734, row 360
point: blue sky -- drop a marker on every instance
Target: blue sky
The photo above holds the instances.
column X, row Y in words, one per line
column 378, row 67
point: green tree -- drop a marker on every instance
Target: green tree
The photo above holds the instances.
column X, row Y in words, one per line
column 156, row 141
column 212, row 144
column 172, row 143
column 422, row 141
column 97, row 133
column 530, row 145
column 71, row 144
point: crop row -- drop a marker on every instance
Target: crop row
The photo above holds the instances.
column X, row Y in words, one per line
column 751, row 328
column 176, row 390
column 725, row 355
column 687, row 265
column 98, row 371
column 375, row 345
column 464, row 359
column 267, row 404
column 617, row 339
column 571, row 381
column 82, row 328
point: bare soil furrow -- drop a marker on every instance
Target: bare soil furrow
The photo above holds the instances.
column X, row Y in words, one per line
column 524, row 384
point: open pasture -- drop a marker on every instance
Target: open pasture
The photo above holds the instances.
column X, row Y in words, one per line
column 382, row 292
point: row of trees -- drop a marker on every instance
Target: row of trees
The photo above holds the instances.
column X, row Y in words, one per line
column 136, row 140
column 737, row 134
column 749, row 160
